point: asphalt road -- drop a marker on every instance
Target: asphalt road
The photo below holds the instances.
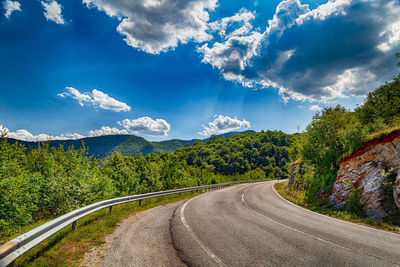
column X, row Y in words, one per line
column 246, row 225
column 251, row 225
column 140, row 240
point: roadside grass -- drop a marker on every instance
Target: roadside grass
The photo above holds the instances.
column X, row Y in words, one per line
column 67, row 247
column 297, row 196
column 383, row 133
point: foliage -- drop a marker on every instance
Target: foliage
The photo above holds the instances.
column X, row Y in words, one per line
column 266, row 151
column 353, row 203
column 42, row 182
column 389, row 204
column 332, row 133
column 297, row 197
column 381, row 107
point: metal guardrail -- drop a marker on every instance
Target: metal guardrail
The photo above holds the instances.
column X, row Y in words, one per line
column 13, row 249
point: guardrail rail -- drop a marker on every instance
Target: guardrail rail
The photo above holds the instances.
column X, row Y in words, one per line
column 13, row 249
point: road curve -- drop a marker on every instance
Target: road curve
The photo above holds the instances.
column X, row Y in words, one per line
column 251, row 225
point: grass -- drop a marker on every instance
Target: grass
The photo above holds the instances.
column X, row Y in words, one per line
column 67, row 247
column 383, row 133
column 297, row 197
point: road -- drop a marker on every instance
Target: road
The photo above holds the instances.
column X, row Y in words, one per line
column 251, row 225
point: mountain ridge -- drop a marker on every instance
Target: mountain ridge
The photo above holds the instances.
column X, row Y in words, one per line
column 127, row 145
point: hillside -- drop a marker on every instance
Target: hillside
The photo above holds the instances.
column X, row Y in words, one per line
column 127, row 145
column 350, row 159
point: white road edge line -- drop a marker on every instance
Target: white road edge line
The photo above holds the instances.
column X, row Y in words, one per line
column 195, row 238
column 363, row 226
column 311, row 236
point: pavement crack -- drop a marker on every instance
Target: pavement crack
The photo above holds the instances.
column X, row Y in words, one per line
column 179, row 252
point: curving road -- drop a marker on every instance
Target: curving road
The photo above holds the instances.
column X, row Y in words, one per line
column 247, row 225
column 251, row 225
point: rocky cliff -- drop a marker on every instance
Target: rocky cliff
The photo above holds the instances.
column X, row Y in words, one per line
column 367, row 171
column 295, row 170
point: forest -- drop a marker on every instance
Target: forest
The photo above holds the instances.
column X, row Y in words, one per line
column 44, row 182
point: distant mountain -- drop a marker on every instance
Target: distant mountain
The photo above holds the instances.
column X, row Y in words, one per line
column 230, row 134
column 128, row 145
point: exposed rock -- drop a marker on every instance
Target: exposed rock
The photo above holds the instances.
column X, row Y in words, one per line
column 365, row 170
column 372, row 194
column 396, row 191
column 295, row 169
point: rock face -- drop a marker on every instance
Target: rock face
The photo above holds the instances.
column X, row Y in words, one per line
column 396, row 191
column 365, row 171
column 295, row 169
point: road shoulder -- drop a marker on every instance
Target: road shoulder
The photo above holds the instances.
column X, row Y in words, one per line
column 142, row 239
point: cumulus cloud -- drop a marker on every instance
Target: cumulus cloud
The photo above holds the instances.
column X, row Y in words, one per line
column 96, row 98
column 315, row 108
column 235, row 25
column 341, row 48
column 237, row 46
column 224, row 124
column 27, row 136
column 106, row 130
column 52, row 11
column 3, row 131
column 147, row 126
column 156, row 26
column 144, row 125
column 10, row 7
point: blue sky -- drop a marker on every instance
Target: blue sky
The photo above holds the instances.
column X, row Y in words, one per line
column 187, row 69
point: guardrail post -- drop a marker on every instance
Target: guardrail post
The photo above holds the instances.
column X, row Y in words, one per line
column 110, row 209
column 74, row 225
column 140, row 202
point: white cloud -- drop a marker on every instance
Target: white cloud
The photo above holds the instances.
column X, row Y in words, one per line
column 224, row 124
column 75, row 94
column 144, row 125
column 322, row 12
column 106, row 102
column 237, row 47
column 231, row 56
column 10, row 7
column 27, row 136
column 156, row 26
column 315, row 108
column 106, row 130
column 286, row 15
column 97, row 99
column 390, row 35
column 340, row 49
column 3, row 131
column 147, row 126
column 239, row 24
column 52, row 11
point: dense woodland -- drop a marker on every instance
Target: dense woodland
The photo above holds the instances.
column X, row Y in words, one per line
column 336, row 132
column 45, row 181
